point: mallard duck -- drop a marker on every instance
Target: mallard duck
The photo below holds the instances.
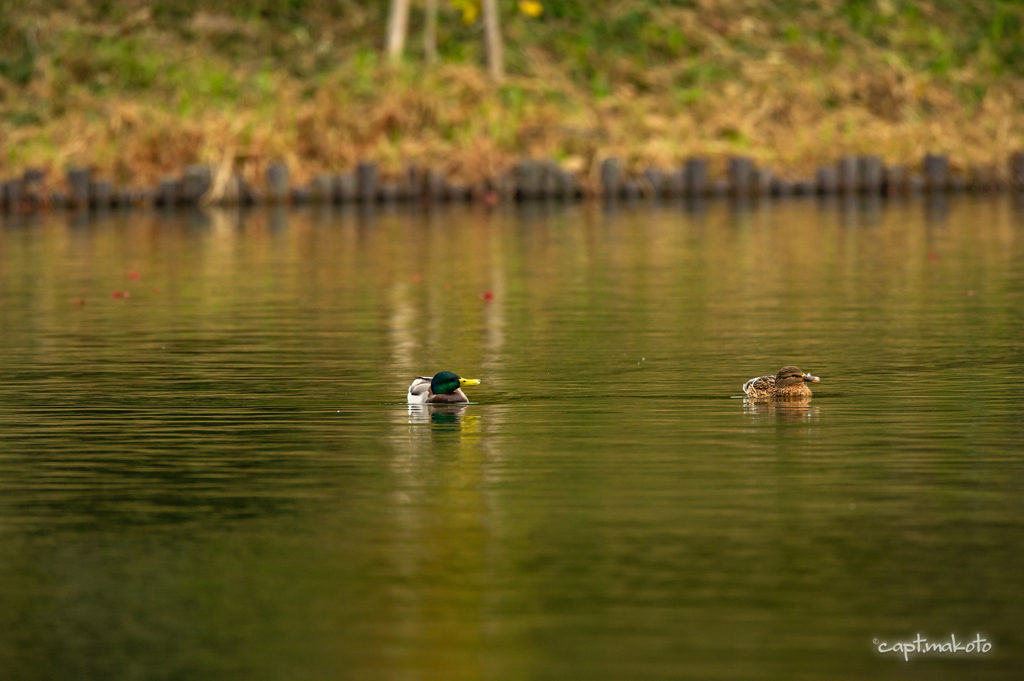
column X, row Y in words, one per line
column 789, row 382
column 444, row 388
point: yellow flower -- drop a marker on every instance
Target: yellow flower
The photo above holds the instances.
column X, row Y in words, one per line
column 470, row 10
column 531, row 8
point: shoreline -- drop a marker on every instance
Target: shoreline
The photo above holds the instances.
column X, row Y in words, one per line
column 526, row 181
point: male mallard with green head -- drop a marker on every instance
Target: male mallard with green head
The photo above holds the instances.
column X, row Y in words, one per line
column 444, row 388
column 789, row 382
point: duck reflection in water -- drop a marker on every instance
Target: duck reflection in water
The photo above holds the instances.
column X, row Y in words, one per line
column 441, row 416
column 787, row 410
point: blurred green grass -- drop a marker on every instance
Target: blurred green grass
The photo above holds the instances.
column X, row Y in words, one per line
column 139, row 89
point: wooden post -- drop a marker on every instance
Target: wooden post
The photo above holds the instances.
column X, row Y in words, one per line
column 33, row 183
column 936, row 170
column 492, row 39
column 1017, row 171
column 528, row 174
column 78, row 181
column 167, row 194
column 12, row 194
column 277, row 182
column 103, row 194
column 411, row 183
column 611, row 177
column 323, row 189
column 828, row 180
column 764, row 178
column 346, row 188
column 849, row 175
column 568, row 182
column 740, row 171
column 697, row 176
column 367, row 178
column 870, row 168
column 551, row 184
column 435, row 186
column 398, row 25
column 197, row 181
column 430, row 33
column 805, row 187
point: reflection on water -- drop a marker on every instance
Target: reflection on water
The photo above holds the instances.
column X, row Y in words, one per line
column 217, row 476
column 790, row 410
column 440, row 414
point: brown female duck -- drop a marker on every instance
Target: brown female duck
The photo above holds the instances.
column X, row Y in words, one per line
column 789, row 382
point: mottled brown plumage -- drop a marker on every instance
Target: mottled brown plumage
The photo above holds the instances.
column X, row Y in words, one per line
column 789, row 382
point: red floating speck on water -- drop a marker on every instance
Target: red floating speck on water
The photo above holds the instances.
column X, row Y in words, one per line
column 133, row 275
column 487, row 296
column 447, row 286
column 78, row 302
column 116, row 295
column 970, row 293
column 126, row 294
column 933, row 256
column 416, row 278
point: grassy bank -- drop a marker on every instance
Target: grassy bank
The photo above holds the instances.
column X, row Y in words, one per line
column 137, row 90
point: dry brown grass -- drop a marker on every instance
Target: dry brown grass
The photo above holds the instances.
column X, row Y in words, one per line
column 790, row 106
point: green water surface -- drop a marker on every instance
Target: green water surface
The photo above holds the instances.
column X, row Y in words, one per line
column 217, row 477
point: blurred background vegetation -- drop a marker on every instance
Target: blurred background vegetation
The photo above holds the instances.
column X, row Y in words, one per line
column 138, row 89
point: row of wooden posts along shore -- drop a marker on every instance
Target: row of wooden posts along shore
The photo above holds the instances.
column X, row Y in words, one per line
column 527, row 181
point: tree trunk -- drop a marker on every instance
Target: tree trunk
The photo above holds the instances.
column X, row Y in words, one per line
column 430, row 33
column 398, row 26
column 492, row 38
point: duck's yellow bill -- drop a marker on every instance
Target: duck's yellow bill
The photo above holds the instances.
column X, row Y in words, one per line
column 463, row 382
